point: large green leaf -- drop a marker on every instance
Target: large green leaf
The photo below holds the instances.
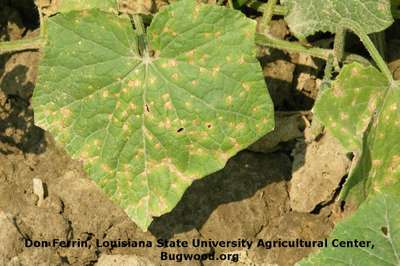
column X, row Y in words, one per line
column 147, row 125
column 362, row 110
column 377, row 220
column 307, row 17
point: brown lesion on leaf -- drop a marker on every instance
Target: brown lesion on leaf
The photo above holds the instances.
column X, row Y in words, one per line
column 344, row 116
column 394, row 164
column 355, row 72
column 337, row 90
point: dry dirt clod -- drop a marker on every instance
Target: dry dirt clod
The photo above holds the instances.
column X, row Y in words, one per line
column 394, row 58
column 38, row 189
column 290, row 226
column 141, row 6
column 9, row 238
column 288, row 126
column 123, row 260
column 317, row 171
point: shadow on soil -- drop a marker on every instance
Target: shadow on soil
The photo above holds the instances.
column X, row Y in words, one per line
column 241, row 178
column 16, row 121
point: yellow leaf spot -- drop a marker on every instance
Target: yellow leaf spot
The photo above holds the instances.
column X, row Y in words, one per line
column 246, row 86
column 376, row 163
column 355, row 72
column 229, row 100
column 343, row 116
column 167, row 123
column 132, row 106
column 168, row 105
column 372, row 104
column 337, row 90
column 105, row 168
column 240, row 126
column 131, row 83
column 172, row 63
column 167, row 30
column 196, row 12
column 175, row 76
column 215, row 70
column 66, row 112
column 152, row 80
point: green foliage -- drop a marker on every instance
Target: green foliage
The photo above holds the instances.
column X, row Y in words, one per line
column 362, row 109
column 307, row 17
column 147, row 122
column 377, row 220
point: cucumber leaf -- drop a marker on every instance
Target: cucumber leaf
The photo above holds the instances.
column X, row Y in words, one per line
column 307, row 17
column 146, row 123
column 377, row 220
column 362, row 110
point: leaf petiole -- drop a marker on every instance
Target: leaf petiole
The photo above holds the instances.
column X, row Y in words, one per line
column 268, row 40
column 369, row 45
column 27, row 44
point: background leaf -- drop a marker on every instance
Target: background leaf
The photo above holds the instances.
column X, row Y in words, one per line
column 377, row 220
column 307, row 17
column 147, row 126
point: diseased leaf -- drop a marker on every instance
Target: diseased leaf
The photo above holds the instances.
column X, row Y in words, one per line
column 147, row 125
column 362, row 110
column 377, row 220
column 307, row 17
column 355, row 94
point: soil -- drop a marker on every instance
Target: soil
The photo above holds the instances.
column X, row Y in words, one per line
column 44, row 194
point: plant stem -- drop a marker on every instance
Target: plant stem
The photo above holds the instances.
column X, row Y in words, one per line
column 339, row 43
column 268, row 40
column 139, row 25
column 355, row 27
column 27, row 44
column 140, row 30
column 278, row 10
column 230, row 3
column 349, row 58
column 20, row 45
column 378, row 38
column 267, row 15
